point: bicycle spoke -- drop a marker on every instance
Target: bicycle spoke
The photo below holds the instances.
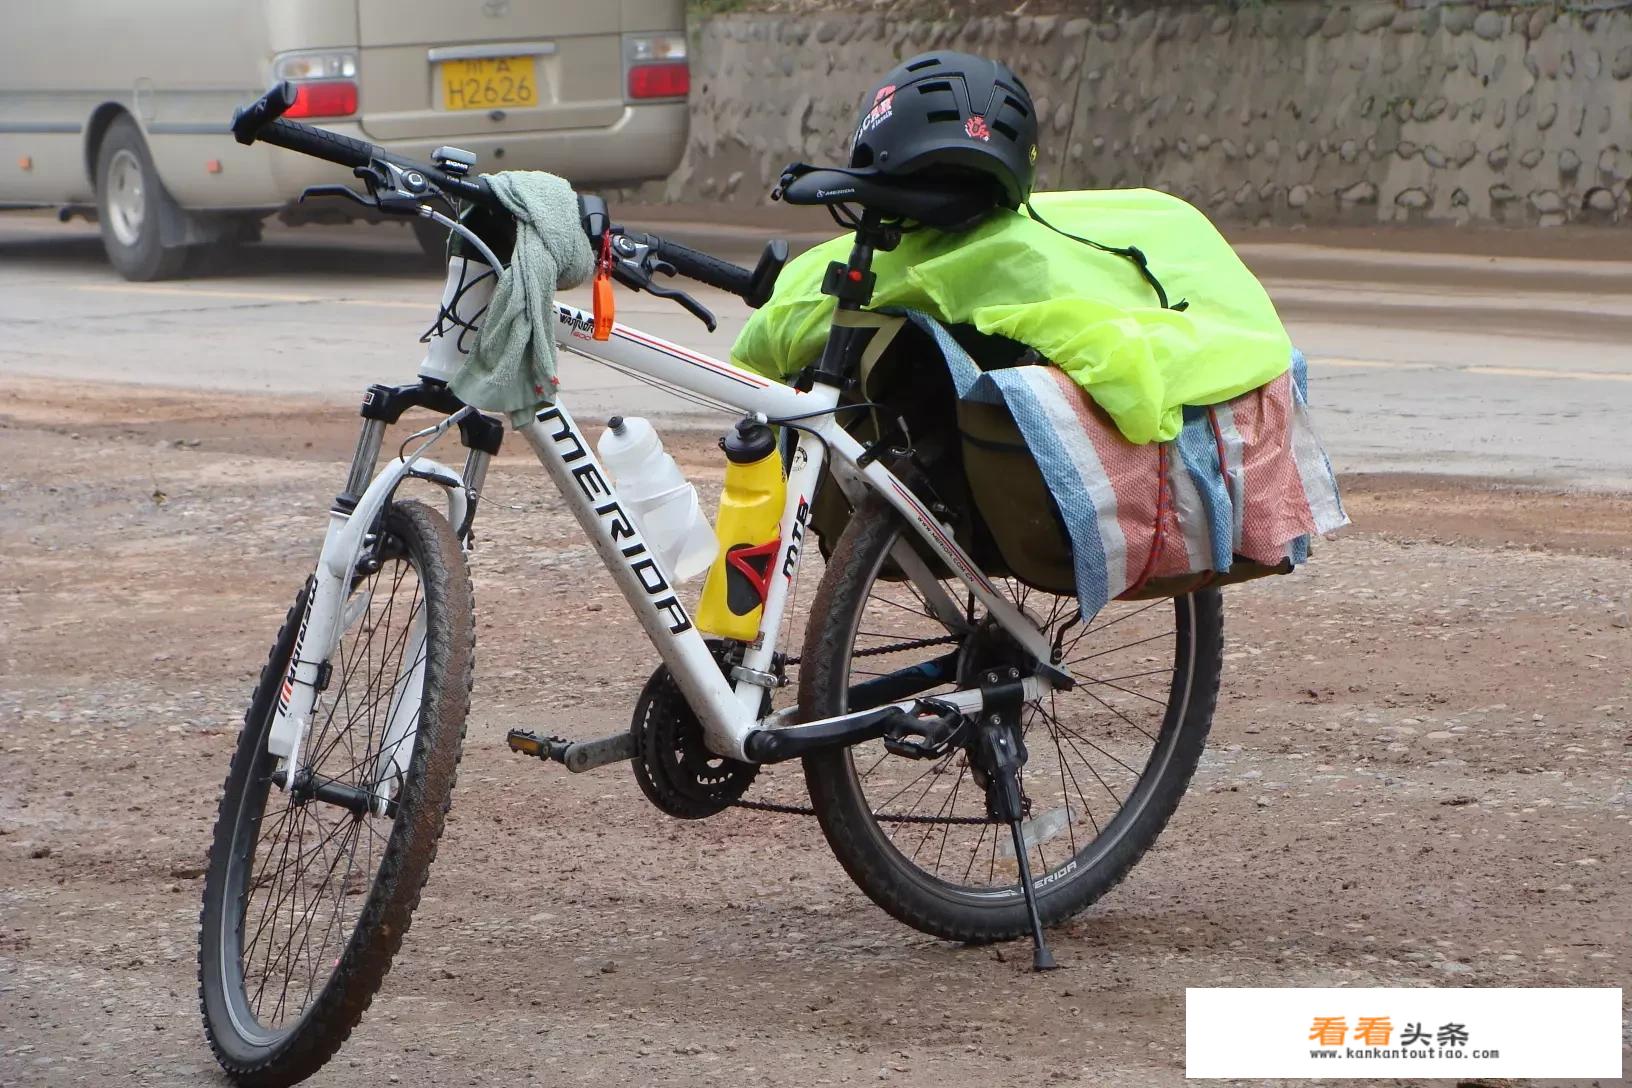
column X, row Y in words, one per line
column 946, row 828
column 1096, row 681
column 306, row 866
column 1063, row 772
column 1117, row 649
column 1119, row 714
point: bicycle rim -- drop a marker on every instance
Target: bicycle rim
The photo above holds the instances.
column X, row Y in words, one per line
column 303, row 869
column 1095, row 753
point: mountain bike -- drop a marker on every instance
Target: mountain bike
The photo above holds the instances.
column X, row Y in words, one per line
column 983, row 760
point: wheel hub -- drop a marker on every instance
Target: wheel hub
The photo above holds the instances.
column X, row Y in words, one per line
column 126, row 196
column 987, row 648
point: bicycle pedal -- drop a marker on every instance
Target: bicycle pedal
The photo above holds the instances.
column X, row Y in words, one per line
column 576, row 756
column 529, row 743
column 912, row 749
column 940, row 731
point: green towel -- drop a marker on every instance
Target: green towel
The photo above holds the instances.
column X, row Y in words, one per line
column 512, row 368
column 1089, row 312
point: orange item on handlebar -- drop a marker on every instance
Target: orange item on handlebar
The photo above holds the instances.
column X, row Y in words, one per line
column 605, row 308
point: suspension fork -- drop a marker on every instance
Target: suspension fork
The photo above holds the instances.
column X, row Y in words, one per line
column 384, row 404
column 354, row 524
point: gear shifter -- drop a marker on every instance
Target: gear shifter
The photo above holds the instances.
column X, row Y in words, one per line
column 635, row 267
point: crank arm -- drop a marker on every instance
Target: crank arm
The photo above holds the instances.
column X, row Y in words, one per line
column 773, row 743
column 575, row 756
column 776, row 745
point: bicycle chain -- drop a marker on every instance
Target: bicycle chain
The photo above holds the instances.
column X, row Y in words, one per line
column 895, row 647
column 806, row 810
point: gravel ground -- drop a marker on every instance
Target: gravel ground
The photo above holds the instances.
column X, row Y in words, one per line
column 1420, row 774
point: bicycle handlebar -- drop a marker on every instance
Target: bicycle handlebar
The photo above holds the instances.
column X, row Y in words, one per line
column 319, row 143
column 704, row 268
column 753, row 287
column 263, row 120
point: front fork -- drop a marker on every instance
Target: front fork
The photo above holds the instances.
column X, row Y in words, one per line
column 355, row 524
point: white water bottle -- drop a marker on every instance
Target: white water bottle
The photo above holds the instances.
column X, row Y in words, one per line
column 659, row 497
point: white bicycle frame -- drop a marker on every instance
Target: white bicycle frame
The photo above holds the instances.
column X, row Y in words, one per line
column 728, row 708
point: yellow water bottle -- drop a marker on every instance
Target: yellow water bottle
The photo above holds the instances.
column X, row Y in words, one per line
column 747, row 525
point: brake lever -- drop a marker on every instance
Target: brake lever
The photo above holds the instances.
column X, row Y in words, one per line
column 338, row 190
column 697, row 309
column 635, row 267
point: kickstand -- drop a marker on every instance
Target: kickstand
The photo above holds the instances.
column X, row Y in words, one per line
column 1041, row 958
column 1004, row 753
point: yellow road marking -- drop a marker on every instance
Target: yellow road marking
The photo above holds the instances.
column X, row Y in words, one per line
column 390, row 303
column 253, row 296
column 194, row 292
column 1531, row 372
column 1371, row 364
column 1495, row 371
column 1323, row 361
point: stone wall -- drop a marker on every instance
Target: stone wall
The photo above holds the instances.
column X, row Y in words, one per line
column 1289, row 112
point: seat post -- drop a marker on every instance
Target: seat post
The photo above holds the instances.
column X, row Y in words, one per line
column 851, row 283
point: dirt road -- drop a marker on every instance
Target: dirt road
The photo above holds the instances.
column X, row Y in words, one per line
column 1420, row 774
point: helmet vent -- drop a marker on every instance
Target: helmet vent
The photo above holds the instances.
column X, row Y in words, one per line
column 940, row 86
column 927, row 62
column 1016, row 105
column 1006, row 129
column 937, row 116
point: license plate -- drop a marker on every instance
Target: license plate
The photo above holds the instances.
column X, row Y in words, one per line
column 489, row 83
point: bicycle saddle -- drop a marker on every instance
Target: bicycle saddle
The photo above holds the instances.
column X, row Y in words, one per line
column 948, row 203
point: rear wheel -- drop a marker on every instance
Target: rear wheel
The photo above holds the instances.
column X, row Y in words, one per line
column 309, row 890
column 1108, row 760
column 130, row 201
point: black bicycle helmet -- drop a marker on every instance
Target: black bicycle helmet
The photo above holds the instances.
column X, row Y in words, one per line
column 952, row 113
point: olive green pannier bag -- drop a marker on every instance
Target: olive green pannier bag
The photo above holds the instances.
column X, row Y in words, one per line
column 972, row 459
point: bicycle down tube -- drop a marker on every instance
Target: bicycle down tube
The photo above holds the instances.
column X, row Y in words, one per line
column 729, row 713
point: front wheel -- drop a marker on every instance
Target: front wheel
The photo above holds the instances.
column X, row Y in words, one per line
column 1108, row 760
column 309, row 889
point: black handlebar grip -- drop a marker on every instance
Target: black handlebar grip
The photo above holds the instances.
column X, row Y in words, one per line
column 248, row 122
column 320, row 143
column 705, row 269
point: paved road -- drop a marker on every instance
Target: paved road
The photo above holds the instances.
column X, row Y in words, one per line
column 1493, row 366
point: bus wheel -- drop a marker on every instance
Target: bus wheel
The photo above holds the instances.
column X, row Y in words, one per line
column 130, row 201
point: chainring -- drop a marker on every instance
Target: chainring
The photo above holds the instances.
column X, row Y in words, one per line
column 673, row 765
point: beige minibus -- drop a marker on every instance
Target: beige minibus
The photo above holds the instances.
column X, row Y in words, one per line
column 119, row 109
